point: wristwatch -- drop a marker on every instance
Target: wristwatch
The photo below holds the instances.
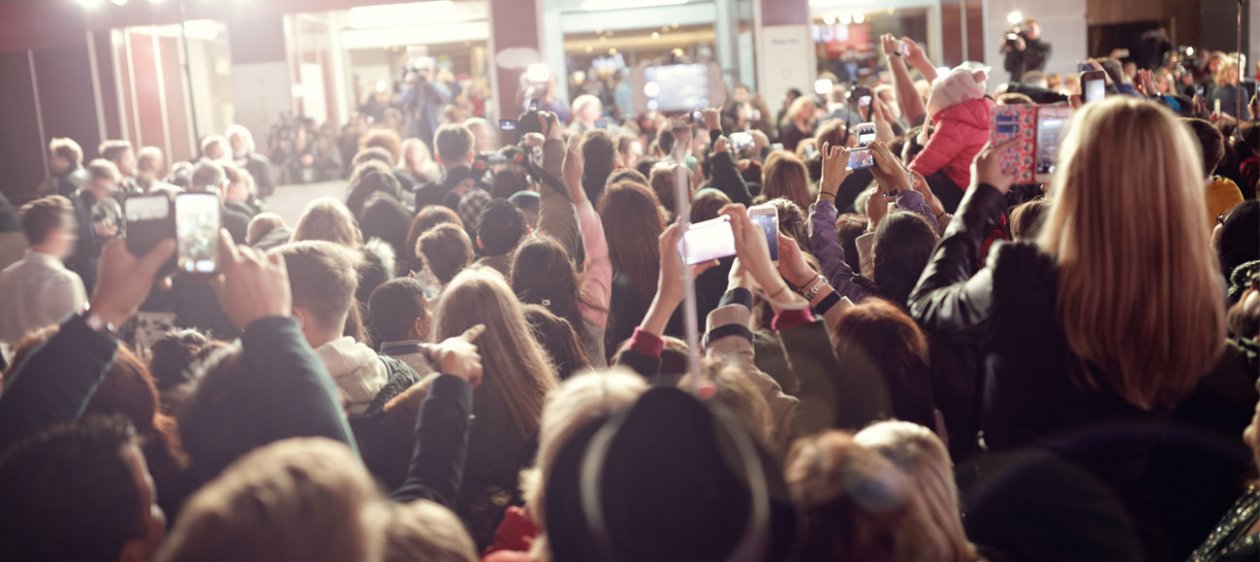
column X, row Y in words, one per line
column 96, row 323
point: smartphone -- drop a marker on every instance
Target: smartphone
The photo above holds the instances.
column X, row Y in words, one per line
column 197, row 224
column 1216, row 106
column 150, row 220
column 904, row 48
column 506, row 125
column 767, row 218
column 865, row 133
column 1086, row 67
column 1094, row 84
column 707, row 241
column 1051, row 122
column 861, row 159
column 741, row 140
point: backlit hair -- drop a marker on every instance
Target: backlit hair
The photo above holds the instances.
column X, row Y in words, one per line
column 446, row 250
column 304, row 499
column 66, row 148
column 323, row 279
column 1139, row 294
column 922, row 456
column 424, row 530
column 574, row 404
column 329, row 220
column 785, row 176
column 1227, row 72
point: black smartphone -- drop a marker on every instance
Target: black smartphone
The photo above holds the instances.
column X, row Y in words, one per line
column 150, row 220
column 197, row 224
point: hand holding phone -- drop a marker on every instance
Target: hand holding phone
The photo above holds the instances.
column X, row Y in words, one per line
column 861, row 158
column 1094, row 84
column 707, row 241
column 197, row 223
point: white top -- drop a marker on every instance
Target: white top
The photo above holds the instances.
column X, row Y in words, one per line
column 35, row 292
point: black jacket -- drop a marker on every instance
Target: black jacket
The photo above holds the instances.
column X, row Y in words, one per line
column 1031, row 400
column 260, row 168
column 1034, row 56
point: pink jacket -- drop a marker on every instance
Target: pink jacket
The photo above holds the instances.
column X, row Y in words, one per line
column 961, row 131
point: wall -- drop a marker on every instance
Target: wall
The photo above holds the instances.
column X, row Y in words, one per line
column 1062, row 25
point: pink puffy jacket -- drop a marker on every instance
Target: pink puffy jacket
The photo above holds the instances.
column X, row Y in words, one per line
column 961, row 131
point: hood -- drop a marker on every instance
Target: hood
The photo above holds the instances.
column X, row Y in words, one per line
column 973, row 113
column 356, row 370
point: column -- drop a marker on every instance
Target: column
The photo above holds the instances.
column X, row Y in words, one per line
column 262, row 84
column 784, row 48
column 514, row 45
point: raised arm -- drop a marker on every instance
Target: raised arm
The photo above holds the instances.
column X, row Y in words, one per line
column 725, row 175
column 912, row 109
column 555, row 209
column 952, row 299
column 55, row 382
column 823, row 239
column 595, row 292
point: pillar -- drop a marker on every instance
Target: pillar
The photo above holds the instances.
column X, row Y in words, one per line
column 515, row 43
column 262, row 83
column 784, row 48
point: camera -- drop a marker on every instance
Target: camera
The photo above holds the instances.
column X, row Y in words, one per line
column 528, row 121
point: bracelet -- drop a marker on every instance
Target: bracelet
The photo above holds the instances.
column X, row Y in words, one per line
column 828, row 194
column 775, row 294
column 816, row 288
column 896, row 54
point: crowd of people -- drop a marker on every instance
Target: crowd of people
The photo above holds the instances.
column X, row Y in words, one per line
column 480, row 352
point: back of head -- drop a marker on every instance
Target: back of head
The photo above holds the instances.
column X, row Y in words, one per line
column 386, row 139
column 207, row 176
column 922, row 456
column 1211, row 143
column 508, row 181
column 102, row 169
column 369, row 179
column 707, row 203
column 630, row 175
column 857, row 505
column 500, row 227
column 385, row 218
column 171, row 357
column 1238, row 243
column 148, row 159
column 632, row 223
column 260, row 509
column 323, row 279
column 425, row 220
column 517, row 372
column 113, row 150
column 64, row 147
column 424, row 530
column 370, row 155
column 664, row 182
column 599, row 156
column 454, row 144
column 395, row 307
column 834, row 133
column 1112, row 266
column 785, row 176
column 903, row 244
column 736, row 389
column 261, row 225
column 558, row 338
column 1027, row 218
column 882, row 343
column 791, row 219
column 446, row 251
column 43, row 216
column 543, row 273
column 69, row 494
column 327, row 219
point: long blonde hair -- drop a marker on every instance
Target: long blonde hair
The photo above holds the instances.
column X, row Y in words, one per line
column 922, row 456
column 328, row 219
column 518, row 374
column 1139, row 293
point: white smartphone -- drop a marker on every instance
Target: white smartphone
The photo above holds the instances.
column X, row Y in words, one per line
column 767, row 218
column 865, row 133
column 707, row 241
column 197, row 224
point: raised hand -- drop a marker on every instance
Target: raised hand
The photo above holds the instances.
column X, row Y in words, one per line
column 751, row 248
column 722, row 145
column 669, row 285
column 251, row 286
column 123, row 281
column 888, row 170
column 459, row 356
column 712, row 118
column 573, row 171
column 890, row 44
column 987, row 167
column 835, row 169
column 916, row 55
column 792, row 265
column 876, row 209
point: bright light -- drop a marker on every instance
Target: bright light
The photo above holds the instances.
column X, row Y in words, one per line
column 846, row 19
column 1189, row 51
column 656, row 35
column 597, row 5
column 538, row 73
column 822, row 87
column 395, row 15
column 119, row 2
column 652, row 89
column 156, row 1
column 89, row 4
column 830, row 19
column 859, row 18
column 1015, row 17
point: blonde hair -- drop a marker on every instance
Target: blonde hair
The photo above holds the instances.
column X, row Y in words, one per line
column 1139, row 293
column 921, row 455
column 799, row 105
column 573, row 405
column 260, row 509
column 424, row 530
column 736, row 389
column 1227, row 73
column 328, row 219
column 518, row 373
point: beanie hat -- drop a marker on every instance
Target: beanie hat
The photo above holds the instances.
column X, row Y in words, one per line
column 968, row 81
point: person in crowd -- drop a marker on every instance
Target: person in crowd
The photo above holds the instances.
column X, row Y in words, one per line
column 245, row 156
column 425, row 530
column 424, row 221
column 1221, row 194
column 266, row 231
column 599, row 159
column 499, row 231
column 210, row 177
column 417, row 162
column 1234, row 238
column 799, row 122
column 629, row 150
column 151, row 169
column 455, row 155
column 369, row 178
column 959, row 112
column 664, row 182
column 507, row 405
column 385, row 218
column 486, row 135
column 98, row 219
column 39, row 291
column 1027, row 219
column 587, row 112
column 400, row 320
column 328, row 220
column 215, row 148
column 446, row 251
column 422, row 100
column 558, row 339
column 173, row 358
column 388, row 140
column 529, row 204
column 1234, row 538
column 1027, row 51
column 1059, row 330
column 123, row 156
column 66, row 174
column 1229, row 93
column 240, row 195
column 633, row 220
column 785, row 177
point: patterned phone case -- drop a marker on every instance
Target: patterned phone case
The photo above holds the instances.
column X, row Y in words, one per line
column 1016, row 121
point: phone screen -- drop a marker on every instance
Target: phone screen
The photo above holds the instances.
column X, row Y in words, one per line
column 1050, row 123
column 507, row 125
column 197, row 231
column 767, row 217
column 1095, row 90
column 741, row 141
column 861, row 159
column 707, row 241
column 865, row 134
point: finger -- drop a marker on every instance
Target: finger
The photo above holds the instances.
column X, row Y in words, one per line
column 227, row 248
column 470, row 335
column 699, row 268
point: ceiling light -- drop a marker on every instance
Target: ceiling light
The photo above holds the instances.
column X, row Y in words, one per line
column 119, row 2
column 859, row 18
column 597, row 5
column 395, row 15
column 89, row 4
column 1014, row 17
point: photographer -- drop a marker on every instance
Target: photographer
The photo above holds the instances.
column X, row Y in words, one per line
column 1025, row 50
column 423, row 98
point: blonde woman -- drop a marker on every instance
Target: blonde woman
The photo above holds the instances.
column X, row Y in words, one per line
column 1229, row 94
column 330, row 220
column 922, row 456
column 508, row 403
column 1099, row 332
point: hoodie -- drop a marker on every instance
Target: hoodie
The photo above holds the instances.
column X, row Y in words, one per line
column 356, row 370
column 960, row 113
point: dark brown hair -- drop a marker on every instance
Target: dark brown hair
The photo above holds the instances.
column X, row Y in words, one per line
column 446, row 251
column 632, row 223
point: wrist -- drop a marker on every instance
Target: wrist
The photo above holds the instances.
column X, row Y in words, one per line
column 102, row 315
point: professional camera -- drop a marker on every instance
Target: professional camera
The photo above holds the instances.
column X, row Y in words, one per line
column 528, row 122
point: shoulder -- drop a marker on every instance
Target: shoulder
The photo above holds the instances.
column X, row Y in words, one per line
column 1022, row 269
